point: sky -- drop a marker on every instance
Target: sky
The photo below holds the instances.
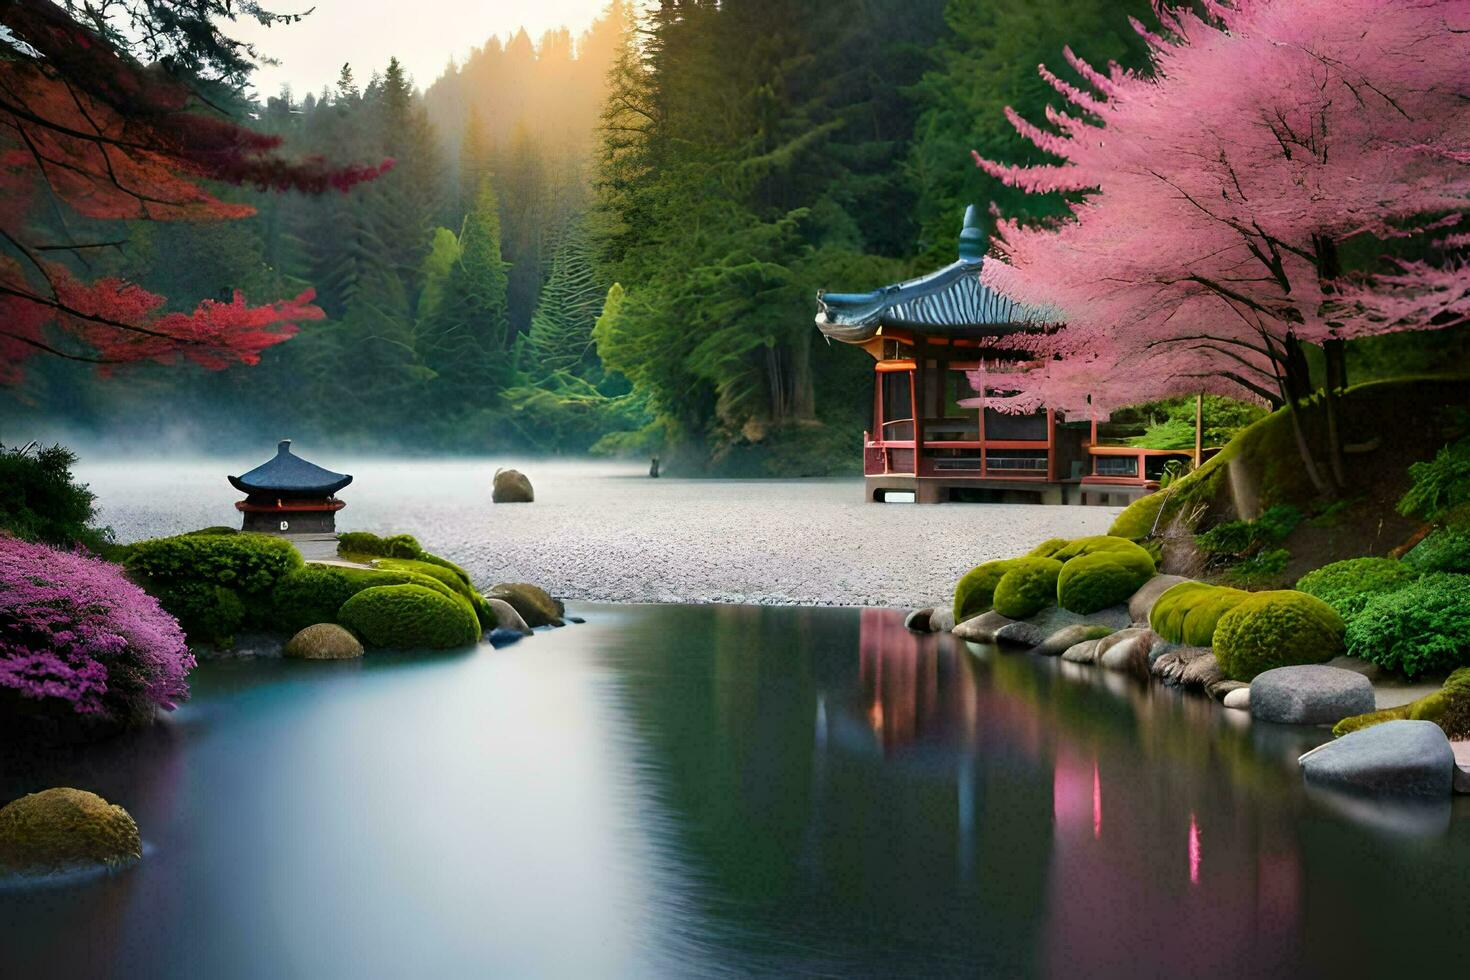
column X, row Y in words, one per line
column 423, row 34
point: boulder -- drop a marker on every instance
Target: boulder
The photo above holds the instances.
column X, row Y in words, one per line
column 63, row 828
column 324, row 641
column 1082, row 653
column 1202, row 672
column 535, row 607
column 1021, row 634
column 502, row 637
column 1222, row 689
column 918, row 620
column 981, row 628
column 1407, row 758
column 942, row 619
column 506, row 617
column 1141, row 603
column 1310, row 694
column 1113, row 617
column 1069, row 636
column 512, row 487
column 1240, row 698
column 1126, row 651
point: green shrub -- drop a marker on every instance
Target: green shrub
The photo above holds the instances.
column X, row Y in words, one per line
column 1424, row 626
column 1048, row 548
column 1276, row 629
column 40, row 502
column 213, row 583
column 409, row 617
column 1348, row 585
column 1263, row 566
column 1138, row 518
column 1242, row 537
column 315, row 593
column 365, row 543
column 1440, row 484
column 1189, row 612
column 1445, row 549
column 975, row 592
column 1029, row 586
column 1095, row 581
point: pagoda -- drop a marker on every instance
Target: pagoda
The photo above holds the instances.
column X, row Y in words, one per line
column 289, row 495
column 932, row 436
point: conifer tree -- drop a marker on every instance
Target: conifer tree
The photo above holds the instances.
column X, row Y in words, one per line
column 560, row 338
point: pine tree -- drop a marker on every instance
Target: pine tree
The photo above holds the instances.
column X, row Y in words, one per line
column 561, row 329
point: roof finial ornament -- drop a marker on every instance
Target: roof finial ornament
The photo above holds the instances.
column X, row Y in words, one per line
column 972, row 236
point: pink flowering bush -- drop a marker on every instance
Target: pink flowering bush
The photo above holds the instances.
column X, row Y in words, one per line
column 79, row 639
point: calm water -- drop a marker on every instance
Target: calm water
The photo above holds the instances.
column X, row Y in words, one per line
column 677, row 790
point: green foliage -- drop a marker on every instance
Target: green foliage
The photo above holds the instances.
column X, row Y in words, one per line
column 1276, row 629
column 1190, row 611
column 1440, row 484
column 1027, row 587
column 39, row 501
column 443, row 256
column 1347, row 586
column 1445, row 549
column 1422, row 627
column 1171, row 422
column 571, row 303
column 358, row 543
column 409, row 617
column 1456, row 718
column 213, row 583
column 1102, row 578
column 313, row 594
column 975, row 591
column 1240, row 538
column 1431, row 707
column 1263, row 566
column 1129, row 550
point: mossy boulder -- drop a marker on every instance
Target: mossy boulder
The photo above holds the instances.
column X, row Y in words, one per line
column 1138, row 518
column 1449, row 708
column 974, row 593
column 1276, row 629
column 1190, row 612
column 315, row 593
column 1103, row 578
column 1048, row 548
column 323, row 641
column 1348, row 586
column 1027, row 587
column 356, row 544
column 1098, row 543
column 63, row 828
column 512, row 487
column 410, row 617
column 534, row 605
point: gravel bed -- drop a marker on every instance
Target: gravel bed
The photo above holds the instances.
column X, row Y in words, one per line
column 606, row 532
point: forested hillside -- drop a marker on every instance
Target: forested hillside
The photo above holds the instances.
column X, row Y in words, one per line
column 718, row 162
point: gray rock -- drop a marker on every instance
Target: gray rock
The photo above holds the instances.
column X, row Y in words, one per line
column 1069, row 636
column 502, row 637
column 506, row 617
column 982, row 628
column 1083, row 653
column 1240, row 698
column 1021, row 635
column 1222, row 689
column 511, row 487
column 1408, row 758
column 324, row 641
column 942, row 619
column 1169, row 666
column 1113, row 617
column 1310, row 694
column 1126, row 651
column 1462, row 779
column 918, row 620
column 1142, row 602
column 1202, row 672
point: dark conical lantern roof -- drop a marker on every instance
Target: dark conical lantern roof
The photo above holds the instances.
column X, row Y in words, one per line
column 288, row 475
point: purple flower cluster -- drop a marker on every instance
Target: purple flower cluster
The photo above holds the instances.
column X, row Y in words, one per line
column 73, row 628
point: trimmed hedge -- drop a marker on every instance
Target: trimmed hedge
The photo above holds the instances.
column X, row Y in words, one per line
column 315, row 593
column 1276, row 629
column 975, row 591
column 409, row 617
column 213, row 583
column 1424, row 626
column 1029, row 586
column 1347, row 586
column 1446, row 549
column 1189, row 612
column 1103, row 578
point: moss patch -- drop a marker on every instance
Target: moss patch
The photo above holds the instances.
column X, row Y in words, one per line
column 1190, row 612
column 315, row 593
column 1276, row 629
column 409, row 617
column 975, row 591
column 1095, row 581
column 64, row 828
column 1348, row 586
column 1029, row 586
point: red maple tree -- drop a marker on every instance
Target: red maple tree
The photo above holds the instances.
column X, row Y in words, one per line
column 87, row 129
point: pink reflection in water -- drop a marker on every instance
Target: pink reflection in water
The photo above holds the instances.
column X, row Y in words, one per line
column 1193, row 850
column 1096, row 803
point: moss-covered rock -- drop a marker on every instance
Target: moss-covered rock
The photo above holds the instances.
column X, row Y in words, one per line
column 1048, row 548
column 1276, row 629
column 1347, row 586
column 315, row 593
column 1138, row 518
column 63, row 828
column 1027, row 587
column 974, row 593
column 512, row 487
column 353, row 544
column 1097, row 543
column 1449, row 708
column 1456, row 717
column 1102, row 578
column 1190, row 612
column 323, row 641
column 533, row 604
column 409, row 617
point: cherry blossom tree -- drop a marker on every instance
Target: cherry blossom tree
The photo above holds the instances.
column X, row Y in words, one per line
column 89, row 132
column 1216, row 195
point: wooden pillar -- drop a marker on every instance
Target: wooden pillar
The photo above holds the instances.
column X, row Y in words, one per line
column 1051, row 446
column 1199, row 415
